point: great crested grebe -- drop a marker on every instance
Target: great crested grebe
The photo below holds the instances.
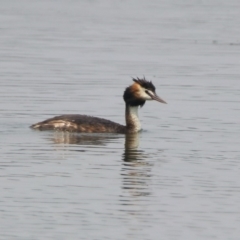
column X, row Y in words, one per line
column 134, row 96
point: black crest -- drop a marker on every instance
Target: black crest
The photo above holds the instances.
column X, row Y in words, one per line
column 129, row 94
column 145, row 84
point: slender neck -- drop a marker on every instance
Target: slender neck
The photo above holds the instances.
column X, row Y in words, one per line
column 132, row 121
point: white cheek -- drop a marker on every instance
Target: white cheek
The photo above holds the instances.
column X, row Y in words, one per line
column 144, row 95
column 148, row 97
column 151, row 93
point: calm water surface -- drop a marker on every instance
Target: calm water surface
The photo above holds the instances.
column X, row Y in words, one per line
column 179, row 178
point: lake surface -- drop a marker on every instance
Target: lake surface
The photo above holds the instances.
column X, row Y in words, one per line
column 177, row 179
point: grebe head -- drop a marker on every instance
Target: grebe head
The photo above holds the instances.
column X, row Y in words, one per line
column 139, row 92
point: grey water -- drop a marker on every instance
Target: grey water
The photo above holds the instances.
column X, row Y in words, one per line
column 177, row 179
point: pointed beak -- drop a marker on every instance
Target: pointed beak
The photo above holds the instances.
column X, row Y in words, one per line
column 157, row 98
